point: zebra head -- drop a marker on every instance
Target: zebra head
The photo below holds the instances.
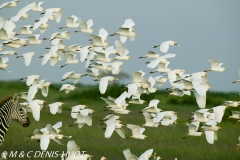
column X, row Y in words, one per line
column 19, row 113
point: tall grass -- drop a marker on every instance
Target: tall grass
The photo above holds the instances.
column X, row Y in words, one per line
column 166, row 141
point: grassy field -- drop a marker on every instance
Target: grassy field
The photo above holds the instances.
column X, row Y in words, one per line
column 166, row 141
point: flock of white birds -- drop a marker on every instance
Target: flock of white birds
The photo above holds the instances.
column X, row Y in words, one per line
column 100, row 56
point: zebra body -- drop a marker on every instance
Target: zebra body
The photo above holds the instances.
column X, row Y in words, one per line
column 11, row 110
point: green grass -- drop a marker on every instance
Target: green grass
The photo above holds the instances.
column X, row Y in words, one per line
column 166, row 141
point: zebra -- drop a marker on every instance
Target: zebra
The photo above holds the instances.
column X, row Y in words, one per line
column 11, row 110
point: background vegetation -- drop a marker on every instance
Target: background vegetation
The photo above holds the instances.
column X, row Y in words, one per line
column 166, row 141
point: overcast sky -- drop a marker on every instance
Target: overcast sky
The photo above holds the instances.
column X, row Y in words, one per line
column 204, row 30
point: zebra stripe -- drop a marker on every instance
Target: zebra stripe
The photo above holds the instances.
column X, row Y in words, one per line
column 11, row 110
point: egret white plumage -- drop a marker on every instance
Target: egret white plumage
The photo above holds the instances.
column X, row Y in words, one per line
column 158, row 60
column 9, row 4
column 151, row 54
column 56, row 107
column 36, row 106
column 232, row 103
column 137, row 100
column 6, row 31
column 216, row 66
column 67, row 88
column 26, row 30
column 101, row 39
column 164, row 46
column 152, row 107
column 137, row 131
column 193, row 129
column 3, row 63
column 113, row 125
column 31, row 79
column 34, row 39
column 38, row 7
column 126, row 31
column 27, row 57
column 71, row 22
column 22, row 12
column 75, row 110
column 72, row 75
column 85, row 26
column 162, row 67
column 70, row 59
column 145, row 156
column 52, row 55
column 57, row 13
column 74, row 152
column 103, row 84
column 150, row 122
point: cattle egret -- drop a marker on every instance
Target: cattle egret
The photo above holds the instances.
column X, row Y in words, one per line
column 137, row 131
column 26, row 29
column 74, row 152
column 216, row 66
column 71, row 22
column 72, row 75
column 145, row 156
column 164, row 46
column 112, row 125
column 34, row 39
column 3, row 64
column 38, row 7
column 126, row 31
column 31, row 80
column 100, row 40
column 27, row 57
column 85, row 26
column 103, row 84
column 151, row 54
column 56, row 107
column 9, row 4
column 22, row 13
column 193, row 129
column 67, row 88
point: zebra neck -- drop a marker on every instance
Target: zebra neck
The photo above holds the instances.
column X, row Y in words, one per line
column 5, row 120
